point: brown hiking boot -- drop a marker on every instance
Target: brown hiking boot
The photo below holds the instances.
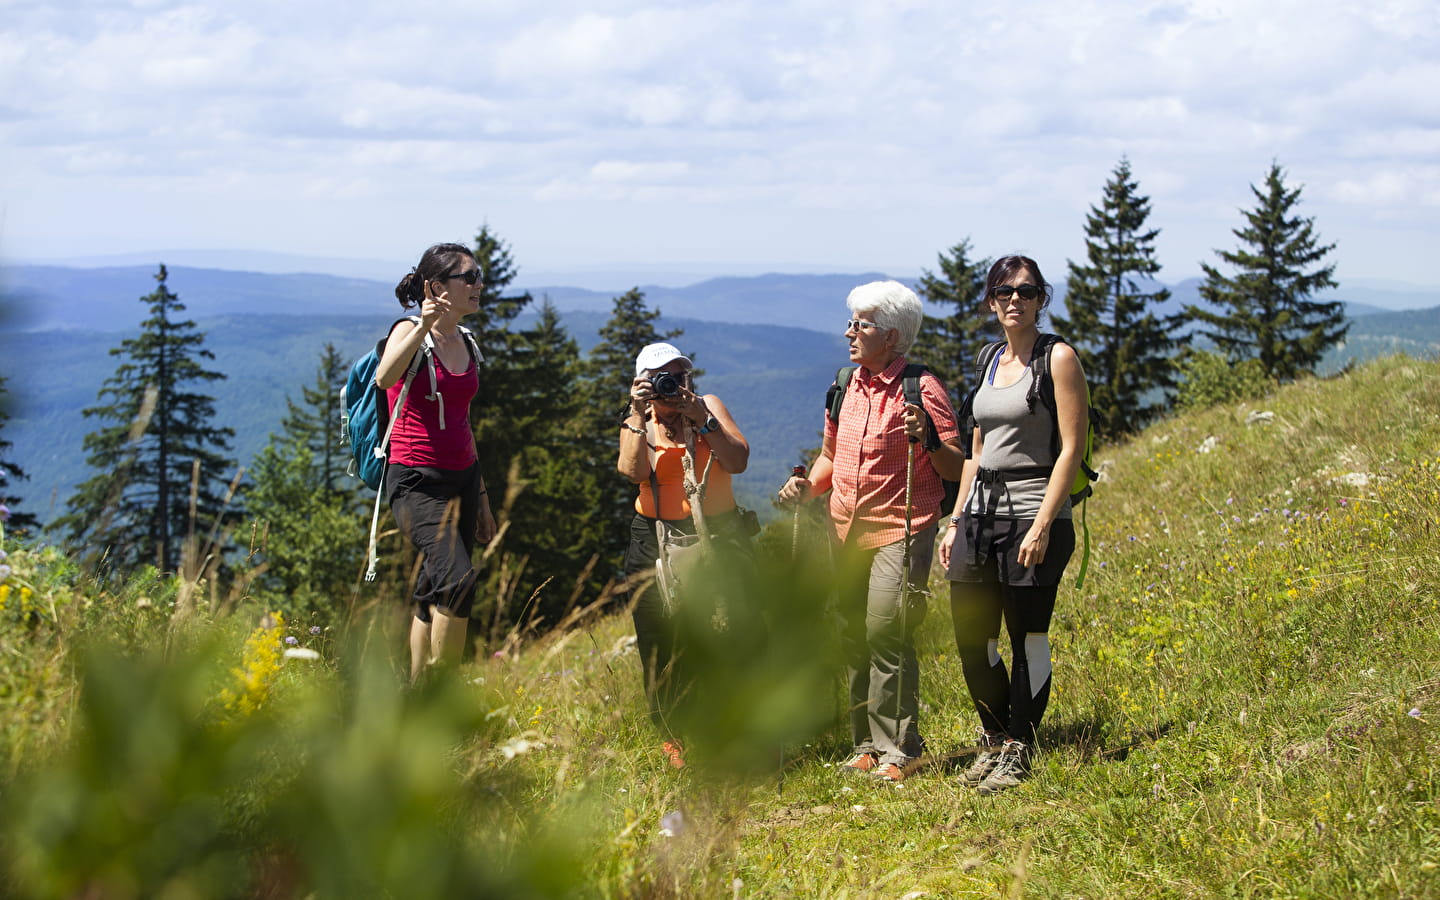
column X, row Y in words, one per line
column 861, row 764
column 674, row 753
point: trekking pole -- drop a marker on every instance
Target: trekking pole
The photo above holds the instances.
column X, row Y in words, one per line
column 797, row 472
column 905, row 579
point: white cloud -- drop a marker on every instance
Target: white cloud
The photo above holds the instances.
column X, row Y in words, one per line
column 923, row 121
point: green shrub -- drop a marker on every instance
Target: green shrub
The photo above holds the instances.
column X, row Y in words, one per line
column 1209, row 379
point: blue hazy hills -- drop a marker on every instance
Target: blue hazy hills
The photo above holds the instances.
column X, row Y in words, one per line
column 769, row 345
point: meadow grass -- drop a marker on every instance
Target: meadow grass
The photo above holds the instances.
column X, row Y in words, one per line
column 1244, row 704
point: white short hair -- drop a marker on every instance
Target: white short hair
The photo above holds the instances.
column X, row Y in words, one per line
column 893, row 305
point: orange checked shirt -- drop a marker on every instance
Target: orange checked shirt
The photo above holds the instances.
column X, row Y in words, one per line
column 867, row 487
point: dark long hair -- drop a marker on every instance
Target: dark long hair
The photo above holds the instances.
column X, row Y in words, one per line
column 439, row 261
column 1005, row 268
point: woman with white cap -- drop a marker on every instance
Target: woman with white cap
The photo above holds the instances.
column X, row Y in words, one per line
column 670, row 436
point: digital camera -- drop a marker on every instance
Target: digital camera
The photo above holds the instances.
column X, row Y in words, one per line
column 666, row 384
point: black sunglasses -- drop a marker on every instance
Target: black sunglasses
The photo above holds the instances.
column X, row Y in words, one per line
column 1004, row 291
column 469, row 277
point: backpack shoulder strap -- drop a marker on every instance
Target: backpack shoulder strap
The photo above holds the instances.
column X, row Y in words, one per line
column 835, row 395
column 983, row 359
column 1042, row 383
column 910, row 383
column 473, row 345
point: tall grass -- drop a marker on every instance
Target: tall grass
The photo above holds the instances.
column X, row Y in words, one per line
column 1244, row 705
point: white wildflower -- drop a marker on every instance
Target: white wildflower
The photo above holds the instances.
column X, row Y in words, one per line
column 672, row 824
column 1209, row 445
column 519, row 746
column 300, row 653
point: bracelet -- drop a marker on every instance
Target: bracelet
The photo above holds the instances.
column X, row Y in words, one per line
column 628, row 427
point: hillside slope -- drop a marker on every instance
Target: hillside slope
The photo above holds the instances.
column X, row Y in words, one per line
column 1246, row 694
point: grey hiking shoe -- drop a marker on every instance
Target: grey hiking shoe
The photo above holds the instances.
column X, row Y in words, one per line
column 990, row 743
column 1011, row 766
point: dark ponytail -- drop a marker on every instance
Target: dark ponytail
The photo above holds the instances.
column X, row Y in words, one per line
column 437, row 262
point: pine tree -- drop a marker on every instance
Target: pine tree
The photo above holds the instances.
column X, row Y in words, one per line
column 137, row 508
column 1125, row 346
column 1266, row 310
column 948, row 344
column 11, row 472
column 306, row 511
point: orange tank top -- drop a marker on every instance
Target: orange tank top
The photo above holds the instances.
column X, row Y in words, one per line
column 670, row 473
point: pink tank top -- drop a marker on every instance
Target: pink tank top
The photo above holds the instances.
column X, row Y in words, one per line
column 418, row 439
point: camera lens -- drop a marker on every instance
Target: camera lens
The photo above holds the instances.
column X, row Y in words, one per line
column 666, row 385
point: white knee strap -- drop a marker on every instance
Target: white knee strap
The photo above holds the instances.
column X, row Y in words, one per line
column 992, row 649
column 1037, row 659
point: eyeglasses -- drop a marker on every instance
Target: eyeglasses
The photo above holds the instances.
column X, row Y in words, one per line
column 1005, row 291
column 859, row 324
column 470, row 277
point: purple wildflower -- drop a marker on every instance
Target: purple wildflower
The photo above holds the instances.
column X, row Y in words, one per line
column 290, row 639
column 314, row 629
column 4, row 513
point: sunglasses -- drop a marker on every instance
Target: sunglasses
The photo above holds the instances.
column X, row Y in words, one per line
column 859, row 324
column 469, row 277
column 1005, row 291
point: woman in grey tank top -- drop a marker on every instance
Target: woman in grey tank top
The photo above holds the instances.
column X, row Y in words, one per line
column 1010, row 535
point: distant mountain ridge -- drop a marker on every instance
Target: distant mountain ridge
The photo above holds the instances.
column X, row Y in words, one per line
column 50, row 298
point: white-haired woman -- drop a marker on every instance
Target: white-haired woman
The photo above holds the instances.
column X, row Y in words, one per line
column 868, row 447
column 666, row 423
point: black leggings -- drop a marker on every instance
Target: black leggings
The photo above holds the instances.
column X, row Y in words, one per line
column 1009, row 704
column 437, row 509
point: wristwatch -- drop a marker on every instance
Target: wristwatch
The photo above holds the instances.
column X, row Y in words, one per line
column 711, row 424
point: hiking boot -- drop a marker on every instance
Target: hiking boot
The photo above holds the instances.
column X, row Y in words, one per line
column 990, row 743
column 1010, row 768
column 861, row 764
column 889, row 772
column 674, row 753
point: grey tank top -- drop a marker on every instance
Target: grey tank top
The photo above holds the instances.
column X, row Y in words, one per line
column 1014, row 438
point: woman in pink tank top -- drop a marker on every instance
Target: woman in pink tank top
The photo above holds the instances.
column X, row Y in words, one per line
column 432, row 477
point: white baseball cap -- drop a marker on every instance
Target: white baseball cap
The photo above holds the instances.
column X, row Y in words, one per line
column 653, row 356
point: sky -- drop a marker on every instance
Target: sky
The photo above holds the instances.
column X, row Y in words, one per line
column 712, row 138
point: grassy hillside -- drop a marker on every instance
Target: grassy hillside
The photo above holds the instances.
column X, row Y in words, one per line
column 1246, row 703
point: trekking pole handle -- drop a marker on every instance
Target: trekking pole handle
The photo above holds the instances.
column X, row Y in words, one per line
column 796, row 472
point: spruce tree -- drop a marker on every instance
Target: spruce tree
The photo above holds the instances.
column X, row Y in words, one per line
column 1125, row 345
column 313, row 423
column 1267, row 310
column 948, row 344
column 503, row 402
column 137, row 508
column 11, row 472
column 552, row 533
